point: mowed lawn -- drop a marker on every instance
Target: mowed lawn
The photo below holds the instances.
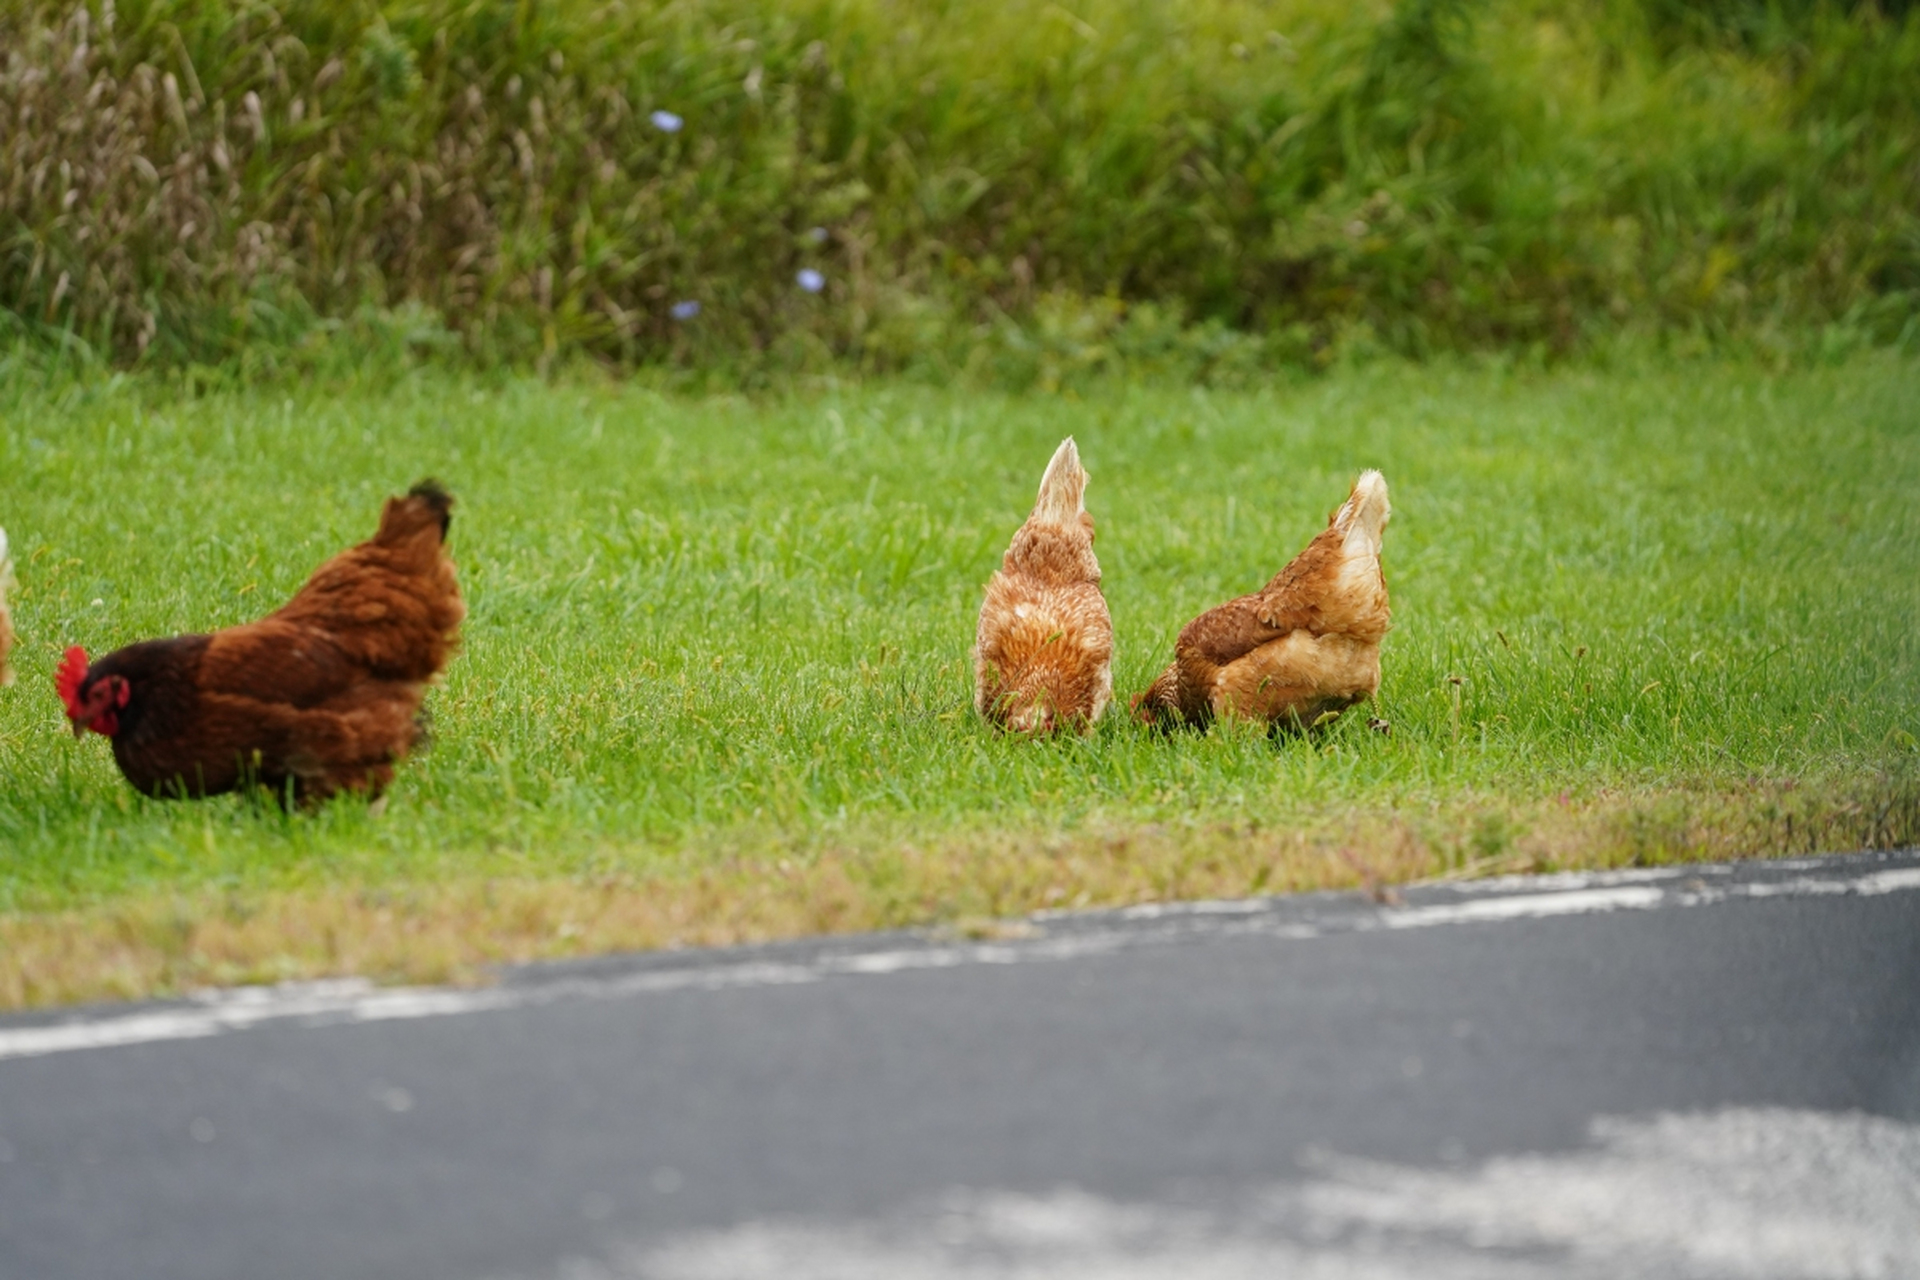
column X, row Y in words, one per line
column 715, row 683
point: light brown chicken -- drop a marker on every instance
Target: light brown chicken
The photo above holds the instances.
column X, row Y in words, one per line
column 1043, row 653
column 1305, row 645
column 323, row 695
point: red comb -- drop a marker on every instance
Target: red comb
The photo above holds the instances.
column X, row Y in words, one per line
column 71, row 674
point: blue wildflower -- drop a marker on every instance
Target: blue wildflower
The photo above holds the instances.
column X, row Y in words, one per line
column 666, row 121
column 810, row 280
column 685, row 310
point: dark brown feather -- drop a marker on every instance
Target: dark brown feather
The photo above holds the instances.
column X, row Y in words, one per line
column 322, row 695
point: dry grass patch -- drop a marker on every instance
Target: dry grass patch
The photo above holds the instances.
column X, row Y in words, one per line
column 458, row 931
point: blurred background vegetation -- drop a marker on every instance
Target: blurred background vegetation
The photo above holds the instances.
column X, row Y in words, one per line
column 1021, row 190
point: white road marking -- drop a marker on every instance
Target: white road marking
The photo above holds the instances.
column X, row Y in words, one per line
column 354, row 1000
column 1529, row 906
column 1890, row 881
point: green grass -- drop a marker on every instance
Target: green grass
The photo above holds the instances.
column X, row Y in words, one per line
column 727, row 637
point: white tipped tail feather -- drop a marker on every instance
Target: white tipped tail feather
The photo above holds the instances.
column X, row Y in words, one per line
column 1063, row 488
column 1363, row 517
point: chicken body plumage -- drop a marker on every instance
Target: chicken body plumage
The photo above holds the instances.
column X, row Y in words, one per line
column 323, row 695
column 1043, row 649
column 1305, row 645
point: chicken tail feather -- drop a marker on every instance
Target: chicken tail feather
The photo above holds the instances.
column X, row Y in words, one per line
column 427, row 503
column 1363, row 517
column 1063, row 488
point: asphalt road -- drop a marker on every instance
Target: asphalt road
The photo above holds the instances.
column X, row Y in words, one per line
column 1700, row 1072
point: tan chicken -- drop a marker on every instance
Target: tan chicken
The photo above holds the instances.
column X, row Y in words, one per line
column 6, row 622
column 1302, row 648
column 1043, row 654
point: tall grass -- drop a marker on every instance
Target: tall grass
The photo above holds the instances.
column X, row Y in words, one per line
column 1022, row 188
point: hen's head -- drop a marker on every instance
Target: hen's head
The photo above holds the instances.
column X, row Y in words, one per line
column 1056, row 542
column 1158, row 704
column 91, row 703
column 1034, row 717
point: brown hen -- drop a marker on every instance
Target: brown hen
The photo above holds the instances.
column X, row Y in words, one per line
column 323, row 695
column 1302, row 648
column 1043, row 653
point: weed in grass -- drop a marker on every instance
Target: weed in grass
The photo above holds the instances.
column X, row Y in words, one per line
column 716, row 659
